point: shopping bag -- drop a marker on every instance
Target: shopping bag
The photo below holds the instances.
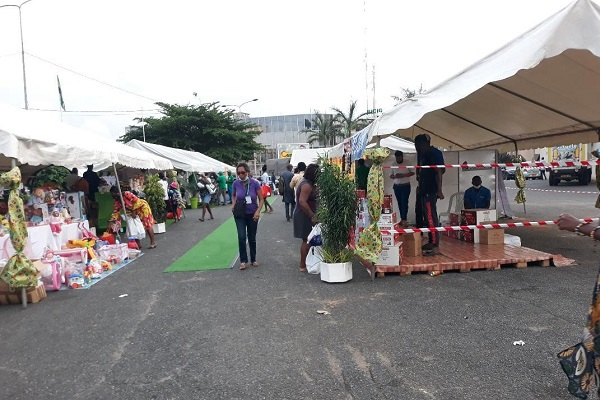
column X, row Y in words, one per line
column 136, row 228
column 314, row 237
column 313, row 260
column 266, row 191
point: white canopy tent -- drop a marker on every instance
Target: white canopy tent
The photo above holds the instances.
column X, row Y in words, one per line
column 395, row 143
column 541, row 89
column 186, row 160
column 308, row 156
column 34, row 139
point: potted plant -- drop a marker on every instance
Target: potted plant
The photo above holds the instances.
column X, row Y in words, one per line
column 155, row 196
column 337, row 214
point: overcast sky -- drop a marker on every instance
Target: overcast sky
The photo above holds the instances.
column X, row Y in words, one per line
column 294, row 56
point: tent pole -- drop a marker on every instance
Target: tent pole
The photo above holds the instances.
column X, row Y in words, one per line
column 121, row 197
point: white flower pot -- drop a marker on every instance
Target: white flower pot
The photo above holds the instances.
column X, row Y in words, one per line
column 339, row 272
column 159, row 228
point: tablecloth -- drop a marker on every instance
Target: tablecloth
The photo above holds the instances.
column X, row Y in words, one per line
column 41, row 237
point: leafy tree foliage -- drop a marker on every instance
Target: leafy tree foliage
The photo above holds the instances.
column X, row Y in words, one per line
column 205, row 128
column 408, row 93
column 155, row 197
column 325, row 130
column 350, row 122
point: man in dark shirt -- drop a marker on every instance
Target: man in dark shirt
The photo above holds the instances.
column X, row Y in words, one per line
column 477, row 196
column 93, row 181
column 430, row 188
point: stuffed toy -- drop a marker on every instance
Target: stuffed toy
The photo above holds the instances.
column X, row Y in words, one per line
column 55, row 221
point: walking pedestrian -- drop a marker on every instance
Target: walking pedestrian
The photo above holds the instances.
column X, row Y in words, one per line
column 205, row 195
column 301, row 167
column 222, row 182
column 266, row 188
column 247, row 194
column 402, row 188
column 430, row 188
column 543, row 169
column 305, row 213
column 288, row 196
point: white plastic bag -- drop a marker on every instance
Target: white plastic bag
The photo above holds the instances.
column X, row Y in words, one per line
column 314, row 237
column 136, row 228
column 313, row 260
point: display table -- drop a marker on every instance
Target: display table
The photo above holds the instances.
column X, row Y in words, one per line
column 40, row 237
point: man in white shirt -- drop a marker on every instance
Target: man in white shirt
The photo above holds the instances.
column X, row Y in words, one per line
column 402, row 187
column 165, row 185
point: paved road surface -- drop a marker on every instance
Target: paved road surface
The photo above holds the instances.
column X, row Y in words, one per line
column 255, row 334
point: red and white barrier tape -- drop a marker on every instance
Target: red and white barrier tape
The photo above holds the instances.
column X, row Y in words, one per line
column 501, row 165
column 479, row 226
column 555, row 191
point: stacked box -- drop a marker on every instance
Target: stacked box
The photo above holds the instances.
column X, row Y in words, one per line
column 491, row 236
column 391, row 255
column 411, row 243
column 453, row 221
column 387, row 207
column 391, row 239
column 388, row 218
column 34, row 294
column 475, row 217
column 388, row 227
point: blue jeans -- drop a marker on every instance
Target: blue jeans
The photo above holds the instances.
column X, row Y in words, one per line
column 230, row 192
column 249, row 225
column 402, row 193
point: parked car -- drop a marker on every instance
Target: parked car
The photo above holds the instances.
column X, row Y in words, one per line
column 532, row 173
column 508, row 173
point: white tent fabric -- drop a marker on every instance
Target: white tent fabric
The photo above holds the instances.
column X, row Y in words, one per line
column 308, row 156
column 395, row 143
column 186, row 160
column 36, row 139
column 541, row 89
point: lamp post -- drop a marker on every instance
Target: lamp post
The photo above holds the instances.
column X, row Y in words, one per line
column 22, row 48
column 239, row 106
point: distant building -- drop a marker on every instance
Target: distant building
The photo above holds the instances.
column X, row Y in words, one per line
column 284, row 129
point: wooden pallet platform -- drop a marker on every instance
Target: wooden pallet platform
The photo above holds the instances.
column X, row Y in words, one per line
column 465, row 257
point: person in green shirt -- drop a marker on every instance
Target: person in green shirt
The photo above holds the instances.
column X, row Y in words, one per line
column 230, row 180
column 361, row 175
column 222, row 182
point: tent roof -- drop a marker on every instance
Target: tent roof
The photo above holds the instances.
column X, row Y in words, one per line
column 308, row 156
column 396, row 143
column 186, row 160
column 539, row 90
column 36, row 139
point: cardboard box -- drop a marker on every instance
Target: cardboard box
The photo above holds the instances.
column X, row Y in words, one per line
column 478, row 216
column 491, row 236
column 390, row 255
column 361, row 194
column 387, row 207
column 411, row 244
column 454, row 220
column 388, row 218
column 388, row 227
column 34, row 295
column 392, row 239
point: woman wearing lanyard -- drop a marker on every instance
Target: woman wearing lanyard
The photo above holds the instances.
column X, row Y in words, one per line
column 247, row 194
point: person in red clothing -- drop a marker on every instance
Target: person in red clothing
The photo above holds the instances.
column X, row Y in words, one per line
column 134, row 207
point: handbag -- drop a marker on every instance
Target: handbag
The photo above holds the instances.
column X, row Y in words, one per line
column 239, row 208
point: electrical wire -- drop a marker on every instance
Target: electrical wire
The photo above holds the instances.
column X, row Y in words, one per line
column 90, row 78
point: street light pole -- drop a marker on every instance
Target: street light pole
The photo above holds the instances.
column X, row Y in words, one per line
column 22, row 49
column 239, row 106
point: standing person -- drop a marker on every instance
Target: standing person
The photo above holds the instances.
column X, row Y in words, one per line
column 402, row 188
column 247, row 190
column 162, row 179
column 72, row 179
column 543, row 169
column 205, row 196
column 298, row 176
column 305, row 213
column 361, row 175
column 222, row 182
column 477, row 196
column 430, row 188
column 175, row 201
column 93, row 181
column 134, row 207
column 288, row 196
column 230, row 180
column 266, row 186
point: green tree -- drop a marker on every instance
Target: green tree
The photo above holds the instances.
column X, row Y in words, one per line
column 325, row 130
column 205, row 128
column 350, row 122
column 155, row 197
column 408, row 93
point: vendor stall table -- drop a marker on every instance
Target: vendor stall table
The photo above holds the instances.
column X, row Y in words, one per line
column 40, row 237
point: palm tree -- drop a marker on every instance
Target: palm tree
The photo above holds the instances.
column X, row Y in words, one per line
column 324, row 131
column 350, row 123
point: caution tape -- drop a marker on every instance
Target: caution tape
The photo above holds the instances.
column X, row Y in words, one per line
column 556, row 191
column 554, row 164
column 478, row 226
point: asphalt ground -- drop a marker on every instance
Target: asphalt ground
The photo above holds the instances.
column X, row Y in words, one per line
column 256, row 334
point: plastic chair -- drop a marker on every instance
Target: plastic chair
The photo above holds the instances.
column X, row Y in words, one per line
column 455, row 205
